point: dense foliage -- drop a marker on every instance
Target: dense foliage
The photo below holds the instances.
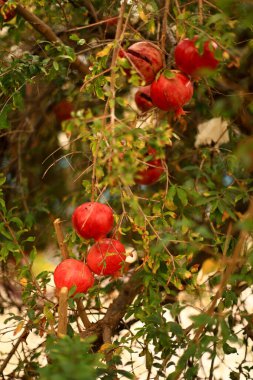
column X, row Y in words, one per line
column 70, row 133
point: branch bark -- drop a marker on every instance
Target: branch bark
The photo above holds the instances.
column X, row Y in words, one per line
column 106, row 327
column 60, row 239
column 63, row 312
column 49, row 34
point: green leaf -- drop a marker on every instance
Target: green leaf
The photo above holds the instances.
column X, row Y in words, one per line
column 228, row 349
column 182, row 195
column 168, row 74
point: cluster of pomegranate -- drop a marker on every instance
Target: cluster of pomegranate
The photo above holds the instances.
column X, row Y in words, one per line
column 91, row 220
column 171, row 89
column 7, row 13
column 166, row 89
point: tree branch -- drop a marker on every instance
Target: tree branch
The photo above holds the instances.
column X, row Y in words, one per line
column 49, row 34
column 116, row 311
column 60, row 239
column 63, row 312
column 82, row 313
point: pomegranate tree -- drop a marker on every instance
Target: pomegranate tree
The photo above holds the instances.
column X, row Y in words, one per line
column 106, row 256
column 72, row 272
column 171, row 93
column 189, row 60
column 93, row 220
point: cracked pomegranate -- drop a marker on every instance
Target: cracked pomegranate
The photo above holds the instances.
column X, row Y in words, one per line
column 143, row 99
column 146, row 58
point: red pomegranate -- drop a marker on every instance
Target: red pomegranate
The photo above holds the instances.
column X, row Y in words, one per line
column 170, row 94
column 93, row 220
column 143, row 99
column 9, row 13
column 72, row 272
column 63, row 110
column 146, row 58
column 190, row 61
column 106, row 256
column 153, row 171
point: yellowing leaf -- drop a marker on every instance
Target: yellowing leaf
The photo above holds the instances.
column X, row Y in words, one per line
column 18, row 328
column 209, row 266
column 105, row 347
column 23, row 281
column 105, row 51
column 143, row 16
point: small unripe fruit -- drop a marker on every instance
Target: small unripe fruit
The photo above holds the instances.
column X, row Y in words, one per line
column 106, row 256
column 146, row 58
column 72, row 272
column 190, row 61
column 143, row 99
column 170, row 94
column 92, row 220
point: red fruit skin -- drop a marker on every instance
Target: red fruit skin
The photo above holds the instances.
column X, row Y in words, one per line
column 106, row 256
column 170, row 94
column 63, row 110
column 153, row 172
column 72, row 272
column 143, row 99
column 146, row 58
column 190, row 61
column 9, row 14
column 92, row 220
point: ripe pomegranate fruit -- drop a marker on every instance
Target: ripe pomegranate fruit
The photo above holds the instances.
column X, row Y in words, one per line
column 72, row 272
column 190, row 61
column 152, row 173
column 143, row 99
column 146, row 58
column 62, row 110
column 92, row 220
column 106, row 256
column 170, row 94
column 7, row 14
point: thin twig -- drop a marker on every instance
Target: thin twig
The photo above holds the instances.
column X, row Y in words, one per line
column 50, row 35
column 164, row 25
column 63, row 312
column 200, row 4
column 22, row 337
column 82, row 313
